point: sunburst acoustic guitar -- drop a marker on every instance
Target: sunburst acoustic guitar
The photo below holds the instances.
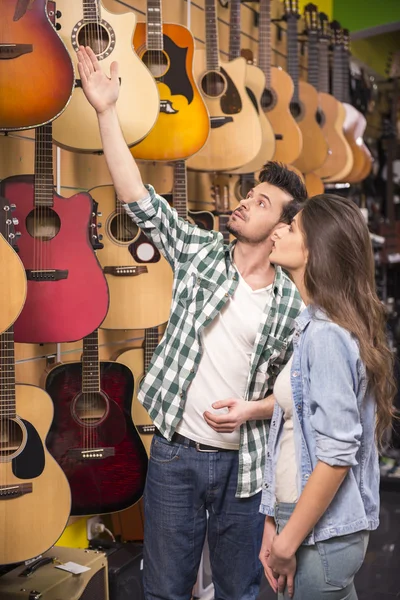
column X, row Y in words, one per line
column 36, row 73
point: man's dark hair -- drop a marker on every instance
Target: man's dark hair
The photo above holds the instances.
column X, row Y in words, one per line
column 290, row 210
column 280, row 176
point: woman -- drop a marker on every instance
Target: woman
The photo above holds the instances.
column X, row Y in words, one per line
column 333, row 405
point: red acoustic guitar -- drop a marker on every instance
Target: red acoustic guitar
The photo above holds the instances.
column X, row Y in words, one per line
column 92, row 436
column 36, row 73
column 67, row 294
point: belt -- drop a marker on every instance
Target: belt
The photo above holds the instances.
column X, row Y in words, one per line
column 181, row 439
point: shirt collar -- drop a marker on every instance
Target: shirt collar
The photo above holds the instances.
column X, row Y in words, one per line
column 308, row 314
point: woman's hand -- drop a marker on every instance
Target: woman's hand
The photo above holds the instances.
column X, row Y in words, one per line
column 265, row 552
column 283, row 565
column 101, row 91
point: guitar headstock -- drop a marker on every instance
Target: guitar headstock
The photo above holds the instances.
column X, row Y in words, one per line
column 337, row 34
column 8, row 222
column 324, row 28
column 311, row 18
column 346, row 39
column 291, row 8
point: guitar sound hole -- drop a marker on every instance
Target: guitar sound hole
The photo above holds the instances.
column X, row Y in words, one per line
column 43, row 223
column 320, row 117
column 11, row 437
column 90, row 408
column 156, row 61
column 96, row 36
column 122, row 228
column 213, row 84
column 295, row 109
column 267, row 99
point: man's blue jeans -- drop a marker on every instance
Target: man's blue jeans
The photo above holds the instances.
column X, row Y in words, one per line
column 182, row 484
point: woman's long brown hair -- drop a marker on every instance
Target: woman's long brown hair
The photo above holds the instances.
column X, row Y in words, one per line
column 340, row 278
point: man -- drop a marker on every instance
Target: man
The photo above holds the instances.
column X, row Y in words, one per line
column 207, row 386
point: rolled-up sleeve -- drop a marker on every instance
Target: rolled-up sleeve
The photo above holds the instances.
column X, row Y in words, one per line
column 333, row 379
column 177, row 239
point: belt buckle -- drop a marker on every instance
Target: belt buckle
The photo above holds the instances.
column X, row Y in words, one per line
column 201, row 449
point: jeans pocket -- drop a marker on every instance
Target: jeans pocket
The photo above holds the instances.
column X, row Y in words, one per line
column 162, row 451
column 342, row 557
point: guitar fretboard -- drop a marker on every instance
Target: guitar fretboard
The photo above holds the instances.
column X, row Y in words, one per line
column 292, row 54
column 154, row 25
column 234, row 30
column 264, row 44
column 212, row 49
column 313, row 59
column 91, row 10
column 179, row 193
column 44, row 182
column 346, row 70
column 90, row 363
column 323, row 71
column 7, row 375
column 151, row 339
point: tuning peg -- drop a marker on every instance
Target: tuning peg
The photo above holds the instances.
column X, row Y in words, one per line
column 12, row 207
column 99, row 214
column 58, row 14
column 18, row 234
column 99, row 225
column 15, row 221
column 100, row 237
column 58, row 26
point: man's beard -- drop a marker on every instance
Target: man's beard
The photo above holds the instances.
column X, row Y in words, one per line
column 242, row 238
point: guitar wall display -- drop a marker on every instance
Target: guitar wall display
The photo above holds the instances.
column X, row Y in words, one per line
column 304, row 105
column 36, row 72
column 35, row 498
column 67, row 292
column 93, row 437
column 88, row 23
column 139, row 278
column 234, row 121
column 183, row 125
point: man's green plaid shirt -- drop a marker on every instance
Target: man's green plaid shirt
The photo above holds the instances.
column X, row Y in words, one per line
column 204, row 280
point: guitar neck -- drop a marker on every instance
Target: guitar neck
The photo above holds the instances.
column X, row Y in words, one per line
column 154, row 25
column 91, row 363
column 313, row 59
column 292, row 54
column 264, row 43
column 212, row 47
column 323, row 70
column 44, row 181
column 7, row 375
column 91, row 10
column 179, row 193
column 234, row 30
column 151, row 339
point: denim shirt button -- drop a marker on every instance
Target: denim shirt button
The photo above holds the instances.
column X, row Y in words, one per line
column 295, row 374
column 306, row 476
column 265, row 486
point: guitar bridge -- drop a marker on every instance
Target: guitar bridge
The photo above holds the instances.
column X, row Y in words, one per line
column 220, row 121
column 8, row 51
column 130, row 271
column 46, row 275
column 90, row 453
column 8, row 492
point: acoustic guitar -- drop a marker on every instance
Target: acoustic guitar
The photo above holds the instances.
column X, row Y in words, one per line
column 92, row 436
column 35, row 498
column 36, row 73
column 183, row 125
column 277, row 94
column 88, row 23
column 235, row 126
column 67, row 292
column 255, row 82
column 331, row 114
column 139, row 278
column 304, row 105
column 12, row 272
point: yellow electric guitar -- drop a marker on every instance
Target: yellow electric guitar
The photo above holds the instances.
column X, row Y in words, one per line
column 183, row 125
column 235, row 136
column 88, row 23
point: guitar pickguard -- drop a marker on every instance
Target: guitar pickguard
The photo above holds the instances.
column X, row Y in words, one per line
column 31, row 462
column 231, row 103
column 176, row 77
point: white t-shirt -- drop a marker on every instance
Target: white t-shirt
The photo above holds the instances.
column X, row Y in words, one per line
column 228, row 344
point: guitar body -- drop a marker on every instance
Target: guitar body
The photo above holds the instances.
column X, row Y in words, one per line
column 12, row 273
column 110, row 473
column 276, row 103
column 134, row 360
column 36, row 73
column 69, row 308
column 141, row 297
column 354, row 127
column 138, row 102
column 315, row 148
column 338, row 159
column 34, row 514
column 183, row 119
column 314, row 184
column 348, row 163
column 255, row 85
column 235, row 136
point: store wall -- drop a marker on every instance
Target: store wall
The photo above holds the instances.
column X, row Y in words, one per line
column 359, row 14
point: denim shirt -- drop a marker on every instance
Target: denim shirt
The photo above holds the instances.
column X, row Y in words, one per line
column 333, row 422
